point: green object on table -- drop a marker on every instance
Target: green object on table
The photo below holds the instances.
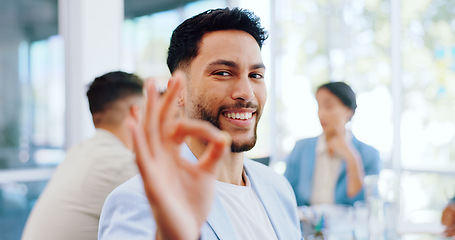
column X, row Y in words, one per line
column 320, row 225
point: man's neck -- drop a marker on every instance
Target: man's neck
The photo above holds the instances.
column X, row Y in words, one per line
column 121, row 133
column 231, row 169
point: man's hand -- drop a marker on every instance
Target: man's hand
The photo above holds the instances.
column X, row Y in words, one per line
column 180, row 193
column 448, row 219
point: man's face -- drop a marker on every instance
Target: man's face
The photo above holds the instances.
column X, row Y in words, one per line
column 226, row 86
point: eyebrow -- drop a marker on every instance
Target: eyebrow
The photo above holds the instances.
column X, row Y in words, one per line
column 234, row 64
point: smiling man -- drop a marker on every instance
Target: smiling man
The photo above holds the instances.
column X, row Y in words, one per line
column 234, row 72
column 200, row 189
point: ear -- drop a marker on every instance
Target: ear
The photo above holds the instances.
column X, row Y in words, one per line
column 135, row 112
column 180, row 98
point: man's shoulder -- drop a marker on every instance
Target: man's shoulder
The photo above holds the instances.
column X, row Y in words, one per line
column 265, row 173
column 133, row 185
column 103, row 145
column 127, row 194
column 251, row 164
column 126, row 214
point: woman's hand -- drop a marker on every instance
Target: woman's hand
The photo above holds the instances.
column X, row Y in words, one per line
column 338, row 145
column 336, row 141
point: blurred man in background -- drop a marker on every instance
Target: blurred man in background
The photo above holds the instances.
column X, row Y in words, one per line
column 70, row 206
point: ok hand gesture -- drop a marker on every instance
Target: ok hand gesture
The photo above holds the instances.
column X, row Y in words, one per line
column 180, row 193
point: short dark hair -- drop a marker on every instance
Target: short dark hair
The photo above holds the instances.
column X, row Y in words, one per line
column 187, row 36
column 110, row 87
column 343, row 92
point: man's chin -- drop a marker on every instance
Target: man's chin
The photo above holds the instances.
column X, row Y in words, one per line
column 242, row 147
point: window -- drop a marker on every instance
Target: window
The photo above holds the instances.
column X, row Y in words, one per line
column 322, row 41
column 45, row 108
column 146, row 39
column 32, row 123
column 352, row 41
column 427, row 120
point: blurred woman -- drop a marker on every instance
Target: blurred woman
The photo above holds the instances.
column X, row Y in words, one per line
column 329, row 169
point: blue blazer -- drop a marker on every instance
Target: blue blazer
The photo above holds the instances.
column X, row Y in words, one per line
column 300, row 166
column 126, row 212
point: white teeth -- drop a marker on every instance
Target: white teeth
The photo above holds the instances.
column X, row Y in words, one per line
column 242, row 116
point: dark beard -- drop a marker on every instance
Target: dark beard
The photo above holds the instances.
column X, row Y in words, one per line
column 235, row 147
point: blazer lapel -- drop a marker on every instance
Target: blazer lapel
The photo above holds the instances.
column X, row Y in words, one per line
column 218, row 221
column 271, row 205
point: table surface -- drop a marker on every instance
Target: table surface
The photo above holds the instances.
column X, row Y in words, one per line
column 342, row 217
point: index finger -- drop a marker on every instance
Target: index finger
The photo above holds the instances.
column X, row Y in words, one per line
column 150, row 124
column 218, row 142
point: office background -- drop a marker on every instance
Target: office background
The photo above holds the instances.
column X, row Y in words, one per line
column 398, row 55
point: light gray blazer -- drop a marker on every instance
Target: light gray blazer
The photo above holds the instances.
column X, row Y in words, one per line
column 126, row 212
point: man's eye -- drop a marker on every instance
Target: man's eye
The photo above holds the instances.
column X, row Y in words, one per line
column 256, row 75
column 222, row 73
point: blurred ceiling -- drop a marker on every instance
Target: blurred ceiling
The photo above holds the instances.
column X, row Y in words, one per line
column 38, row 19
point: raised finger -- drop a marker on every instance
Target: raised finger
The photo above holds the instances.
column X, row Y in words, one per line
column 143, row 156
column 168, row 107
column 151, row 127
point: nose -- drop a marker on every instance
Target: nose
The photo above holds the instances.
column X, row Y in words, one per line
column 243, row 90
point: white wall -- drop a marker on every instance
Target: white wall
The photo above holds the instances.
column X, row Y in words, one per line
column 92, row 35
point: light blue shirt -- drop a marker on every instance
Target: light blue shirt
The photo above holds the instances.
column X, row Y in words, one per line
column 127, row 214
